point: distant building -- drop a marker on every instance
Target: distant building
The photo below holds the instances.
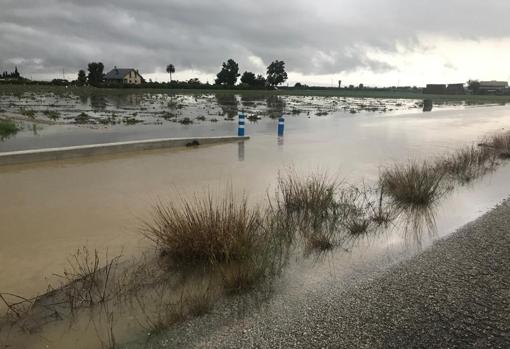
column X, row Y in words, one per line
column 435, row 89
column 455, row 89
column 124, row 76
column 443, row 89
column 493, row 86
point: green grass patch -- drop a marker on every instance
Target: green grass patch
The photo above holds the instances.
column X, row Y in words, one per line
column 7, row 129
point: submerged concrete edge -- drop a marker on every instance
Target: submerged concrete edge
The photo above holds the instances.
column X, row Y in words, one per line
column 89, row 150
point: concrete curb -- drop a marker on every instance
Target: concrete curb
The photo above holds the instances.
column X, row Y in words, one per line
column 51, row 154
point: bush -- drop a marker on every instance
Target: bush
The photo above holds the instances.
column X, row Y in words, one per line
column 7, row 129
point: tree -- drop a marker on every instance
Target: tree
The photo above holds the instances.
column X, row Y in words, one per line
column 276, row 74
column 474, row 86
column 95, row 76
column 82, row 77
column 228, row 74
column 170, row 69
column 248, row 78
column 194, row 82
column 260, row 81
column 251, row 80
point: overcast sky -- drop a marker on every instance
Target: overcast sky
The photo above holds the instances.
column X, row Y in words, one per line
column 375, row 42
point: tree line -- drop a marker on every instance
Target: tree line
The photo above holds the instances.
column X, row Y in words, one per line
column 227, row 77
column 15, row 75
column 275, row 75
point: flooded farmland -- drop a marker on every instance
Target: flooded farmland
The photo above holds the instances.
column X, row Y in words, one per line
column 50, row 210
column 48, row 119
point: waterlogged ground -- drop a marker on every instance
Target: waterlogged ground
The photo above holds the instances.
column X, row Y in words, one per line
column 48, row 119
column 49, row 210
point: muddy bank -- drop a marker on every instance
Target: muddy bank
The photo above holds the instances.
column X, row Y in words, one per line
column 454, row 295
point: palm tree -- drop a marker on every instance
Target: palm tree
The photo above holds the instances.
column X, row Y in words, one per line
column 170, row 69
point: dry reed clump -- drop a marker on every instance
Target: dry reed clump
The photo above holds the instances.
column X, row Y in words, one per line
column 320, row 241
column 309, row 204
column 311, row 195
column 243, row 245
column 89, row 279
column 414, row 185
column 468, row 163
column 207, row 230
column 358, row 210
column 269, row 258
column 320, row 233
column 499, row 143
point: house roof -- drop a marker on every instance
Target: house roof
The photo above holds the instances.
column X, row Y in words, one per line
column 118, row 73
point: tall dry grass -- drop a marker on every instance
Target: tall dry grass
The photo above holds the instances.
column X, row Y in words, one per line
column 468, row 163
column 499, row 143
column 414, row 185
column 312, row 194
column 246, row 245
column 206, row 229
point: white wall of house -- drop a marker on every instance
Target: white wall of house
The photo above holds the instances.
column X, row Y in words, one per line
column 133, row 78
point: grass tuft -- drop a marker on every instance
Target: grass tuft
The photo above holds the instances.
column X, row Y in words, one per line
column 207, row 230
column 314, row 194
column 500, row 143
column 413, row 185
column 467, row 163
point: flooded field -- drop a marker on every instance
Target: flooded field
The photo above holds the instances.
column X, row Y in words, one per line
column 50, row 210
column 49, row 119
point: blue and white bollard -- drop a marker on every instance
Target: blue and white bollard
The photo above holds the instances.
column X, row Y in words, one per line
column 240, row 130
column 281, row 126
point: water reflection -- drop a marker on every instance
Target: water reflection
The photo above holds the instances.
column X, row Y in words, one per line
column 132, row 100
column 418, row 226
column 98, row 102
column 250, row 100
column 427, row 105
column 275, row 106
column 83, row 99
column 240, row 151
column 228, row 104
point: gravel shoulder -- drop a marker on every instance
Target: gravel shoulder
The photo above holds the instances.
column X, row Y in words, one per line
column 455, row 294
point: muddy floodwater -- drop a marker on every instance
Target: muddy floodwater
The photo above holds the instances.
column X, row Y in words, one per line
column 48, row 210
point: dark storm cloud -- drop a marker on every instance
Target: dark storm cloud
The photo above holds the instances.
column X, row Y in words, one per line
column 314, row 37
